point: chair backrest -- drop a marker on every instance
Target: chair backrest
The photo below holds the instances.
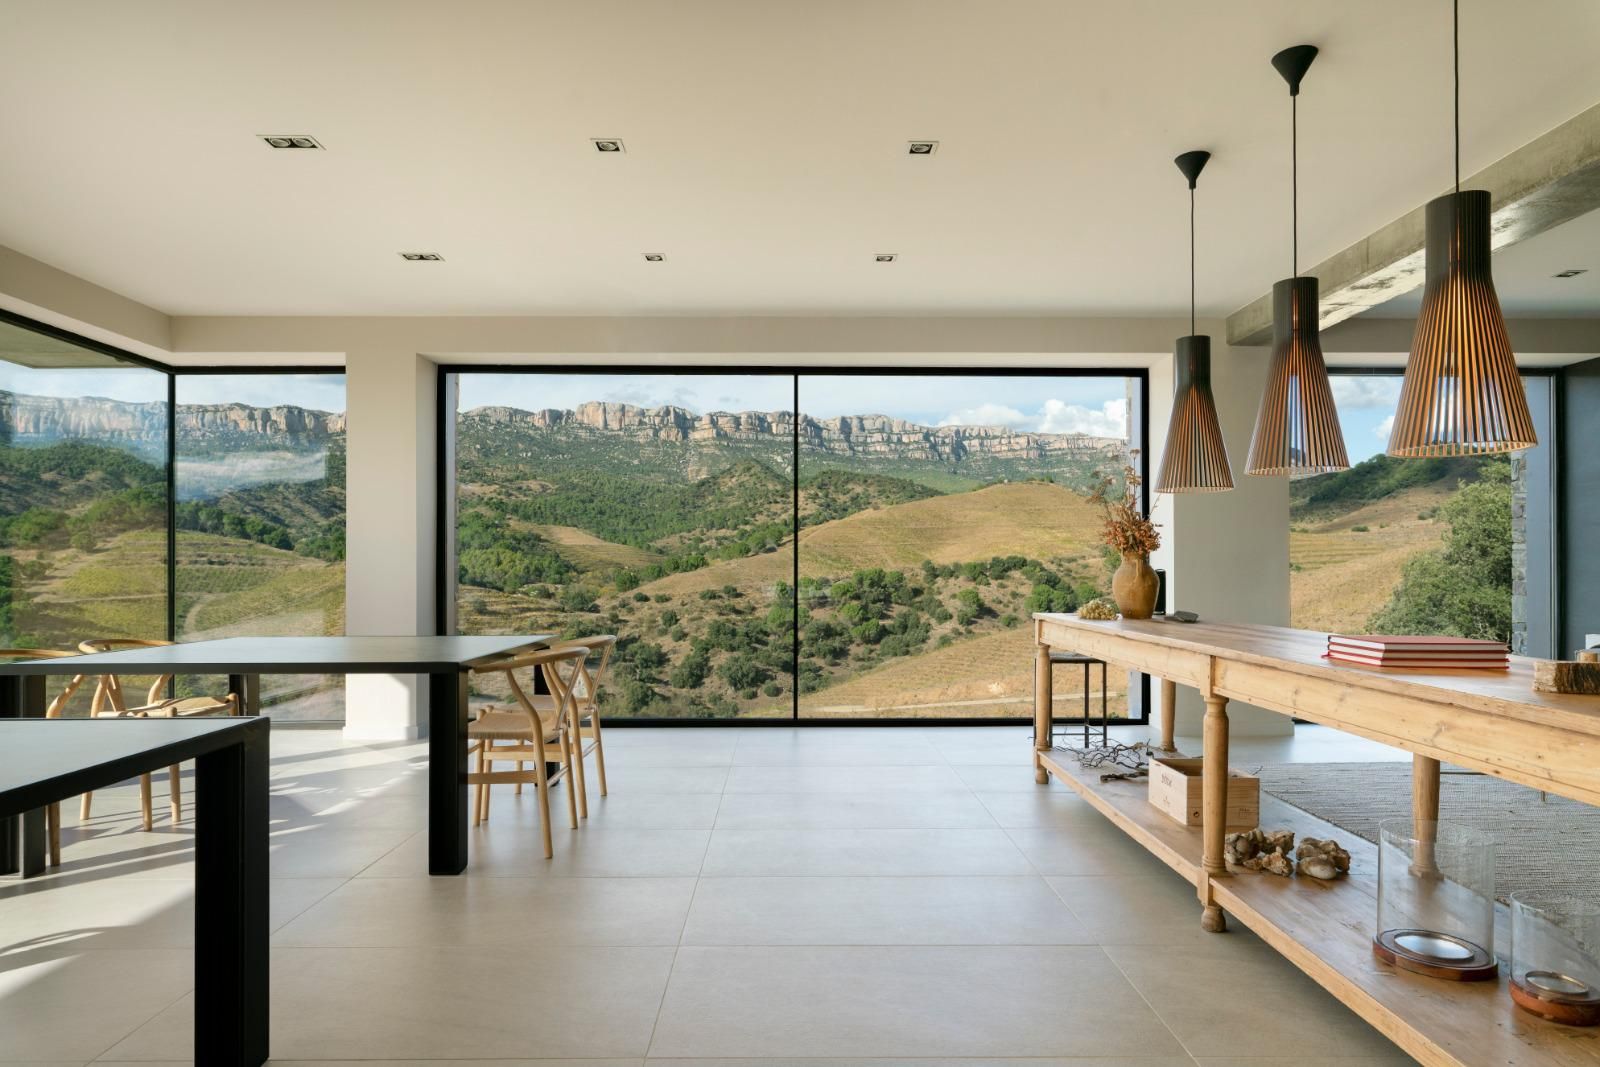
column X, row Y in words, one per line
column 109, row 687
column 59, row 704
column 550, row 662
column 590, row 681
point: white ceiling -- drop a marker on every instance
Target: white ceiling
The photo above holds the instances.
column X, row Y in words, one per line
column 1525, row 275
column 765, row 147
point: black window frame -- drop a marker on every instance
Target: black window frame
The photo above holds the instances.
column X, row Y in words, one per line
column 444, row 496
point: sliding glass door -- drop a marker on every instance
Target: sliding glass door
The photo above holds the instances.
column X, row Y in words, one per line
column 935, row 513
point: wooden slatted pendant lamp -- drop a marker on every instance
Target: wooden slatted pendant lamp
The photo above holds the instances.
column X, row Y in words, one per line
column 1462, row 395
column 1196, row 459
column 1297, row 429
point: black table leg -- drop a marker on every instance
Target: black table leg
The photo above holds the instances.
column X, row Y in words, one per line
column 447, row 772
column 230, row 915
column 22, row 839
column 247, row 687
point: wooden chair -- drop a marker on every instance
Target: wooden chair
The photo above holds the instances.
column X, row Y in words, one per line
column 526, row 734
column 587, row 694
column 110, row 702
column 53, row 711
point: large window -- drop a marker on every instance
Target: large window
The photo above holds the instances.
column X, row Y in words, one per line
column 261, row 519
column 935, row 513
column 1454, row 546
column 83, row 494
column 103, row 535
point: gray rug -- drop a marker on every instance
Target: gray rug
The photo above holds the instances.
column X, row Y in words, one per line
column 1542, row 842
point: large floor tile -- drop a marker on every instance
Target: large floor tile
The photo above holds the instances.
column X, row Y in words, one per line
column 863, row 852
column 325, row 852
column 843, row 779
column 930, row 1061
column 880, row 911
column 626, row 781
column 1012, row 776
column 1145, row 909
column 58, row 1002
column 441, row 1003
column 507, row 851
column 621, row 810
column 1243, row 1001
column 506, row 912
column 1044, row 807
column 822, row 811
column 900, row 1002
column 1092, row 848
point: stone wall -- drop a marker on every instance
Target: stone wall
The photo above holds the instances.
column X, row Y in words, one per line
column 1519, row 553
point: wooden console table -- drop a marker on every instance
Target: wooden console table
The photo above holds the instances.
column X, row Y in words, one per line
column 1492, row 722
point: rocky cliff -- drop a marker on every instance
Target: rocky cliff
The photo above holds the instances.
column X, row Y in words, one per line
column 852, row 435
column 46, row 419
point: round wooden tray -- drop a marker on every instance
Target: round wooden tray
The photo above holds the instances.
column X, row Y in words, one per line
column 1569, row 1011
column 1476, row 965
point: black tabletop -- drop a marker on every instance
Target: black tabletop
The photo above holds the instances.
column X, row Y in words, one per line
column 292, row 655
column 45, row 760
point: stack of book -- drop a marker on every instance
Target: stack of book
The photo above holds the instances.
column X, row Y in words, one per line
column 1430, row 653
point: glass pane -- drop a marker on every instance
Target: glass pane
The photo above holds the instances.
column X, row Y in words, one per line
column 261, row 521
column 83, row 496
column 658, row 508
column 1404, row 546
column 937, row 513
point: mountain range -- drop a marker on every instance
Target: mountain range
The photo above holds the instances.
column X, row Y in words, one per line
column 142, row 427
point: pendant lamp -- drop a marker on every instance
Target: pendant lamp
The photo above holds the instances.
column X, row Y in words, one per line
column 1297, row 429
column 1196, row 460
column 1462, row 395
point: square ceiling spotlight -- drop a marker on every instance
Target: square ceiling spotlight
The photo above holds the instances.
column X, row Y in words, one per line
column 422, row 257
column 608, row 144
column 290, row 140
column 885, row 257
column 921, row 148
column 655, row 257
column 1573, row 273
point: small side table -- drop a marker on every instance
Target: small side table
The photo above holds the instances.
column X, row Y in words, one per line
column 1088, row 663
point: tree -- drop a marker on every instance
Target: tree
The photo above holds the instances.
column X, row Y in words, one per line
column 1463, row 589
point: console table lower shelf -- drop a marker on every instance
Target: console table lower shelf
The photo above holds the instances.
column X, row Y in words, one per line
column 1326, row 928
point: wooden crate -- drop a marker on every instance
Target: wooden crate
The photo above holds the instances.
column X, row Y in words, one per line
column 1175, row 789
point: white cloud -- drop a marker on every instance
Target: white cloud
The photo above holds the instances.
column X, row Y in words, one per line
column 1054, row 416
column 1382, row 429
column 1111, row 420
column 1365, row 390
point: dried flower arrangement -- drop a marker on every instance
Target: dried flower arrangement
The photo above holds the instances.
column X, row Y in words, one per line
column 1124, row 529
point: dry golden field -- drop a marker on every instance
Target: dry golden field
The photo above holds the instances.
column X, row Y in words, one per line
column 1344, row 574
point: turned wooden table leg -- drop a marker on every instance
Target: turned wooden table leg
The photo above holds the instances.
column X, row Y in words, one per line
column 1424, row 812
column 1041, row 710
column 1214, row 808
column 1169, row 714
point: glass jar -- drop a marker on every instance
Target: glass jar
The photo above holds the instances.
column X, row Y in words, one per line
column 1436, row 900
column 1555, row 957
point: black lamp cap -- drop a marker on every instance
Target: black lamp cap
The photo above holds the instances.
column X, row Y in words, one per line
column 1192, row 163
column 1293, row 63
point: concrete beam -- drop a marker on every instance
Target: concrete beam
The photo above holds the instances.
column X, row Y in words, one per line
column 1548, row 181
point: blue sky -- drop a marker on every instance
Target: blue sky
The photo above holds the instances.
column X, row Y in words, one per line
column 1052, row 404
column 1366, row 404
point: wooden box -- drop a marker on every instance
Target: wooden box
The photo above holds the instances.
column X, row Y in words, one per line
column 1175, row 789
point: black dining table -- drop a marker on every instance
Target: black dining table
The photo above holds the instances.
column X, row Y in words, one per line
column 45, row 761
column 447, row 661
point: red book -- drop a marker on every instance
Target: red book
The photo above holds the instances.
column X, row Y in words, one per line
column 1383, row 643
column 1440, row 662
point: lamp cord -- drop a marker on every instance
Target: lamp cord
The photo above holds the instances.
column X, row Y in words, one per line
column 1455, row 16
column 1191, row 260
column 1294, row 183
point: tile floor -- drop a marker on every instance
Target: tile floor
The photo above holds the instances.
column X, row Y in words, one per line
column 748, row 895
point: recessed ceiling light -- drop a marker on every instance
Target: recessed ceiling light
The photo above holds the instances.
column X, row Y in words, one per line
column 1573, row 273
column 655, row 257
column 607, row 144
column 921, row 148
column 422, row 257
column 290, row 140
column 885, row 257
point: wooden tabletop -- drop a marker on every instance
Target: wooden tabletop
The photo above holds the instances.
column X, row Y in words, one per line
column 1504, row 692
column 46, row 760
column 293, row 655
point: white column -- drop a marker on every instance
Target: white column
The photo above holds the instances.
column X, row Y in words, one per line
column 1229, row 552
column 389, row 575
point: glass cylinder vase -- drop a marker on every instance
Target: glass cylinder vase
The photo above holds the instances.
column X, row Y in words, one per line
column 1555, row 957
column 1436, row 900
